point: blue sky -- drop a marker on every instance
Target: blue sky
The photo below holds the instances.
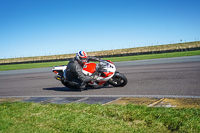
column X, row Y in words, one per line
column 50, row 27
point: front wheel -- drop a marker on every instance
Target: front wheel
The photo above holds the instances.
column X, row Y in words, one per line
column 118, row 80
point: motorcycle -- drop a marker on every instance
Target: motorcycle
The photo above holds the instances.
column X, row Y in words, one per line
column 105, row 70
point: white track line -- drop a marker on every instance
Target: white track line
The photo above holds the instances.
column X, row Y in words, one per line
column 150, row 96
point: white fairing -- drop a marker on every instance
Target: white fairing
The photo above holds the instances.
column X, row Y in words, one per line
column 87, row 73
column 108, row 67
column 63, row 68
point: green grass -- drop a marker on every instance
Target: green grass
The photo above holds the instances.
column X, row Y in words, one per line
column 114, row 59
column 31, row 65
column 154, row 56
column 21, row 117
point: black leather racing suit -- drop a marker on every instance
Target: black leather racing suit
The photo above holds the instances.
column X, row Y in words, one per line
column 74, row 75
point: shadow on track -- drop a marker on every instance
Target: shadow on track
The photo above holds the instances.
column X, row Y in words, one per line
column 61, row 89
column 73, row 90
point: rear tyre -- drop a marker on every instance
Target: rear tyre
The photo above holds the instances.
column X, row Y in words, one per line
column 71, row 86
column 118, row 80
column 64, row 83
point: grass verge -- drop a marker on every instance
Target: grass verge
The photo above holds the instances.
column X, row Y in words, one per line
column 35, row 117
column 114, row 59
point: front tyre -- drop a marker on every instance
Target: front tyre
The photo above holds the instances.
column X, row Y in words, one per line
column 118, row 80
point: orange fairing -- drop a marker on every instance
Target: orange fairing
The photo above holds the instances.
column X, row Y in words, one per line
column 107, row 74
column 89, row 67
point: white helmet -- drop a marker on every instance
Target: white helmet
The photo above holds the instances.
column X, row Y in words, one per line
column 81, row 56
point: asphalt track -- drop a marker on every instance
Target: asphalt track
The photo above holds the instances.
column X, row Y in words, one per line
column 169, row 77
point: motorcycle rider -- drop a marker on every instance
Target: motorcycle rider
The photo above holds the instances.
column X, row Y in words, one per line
column 73, row 76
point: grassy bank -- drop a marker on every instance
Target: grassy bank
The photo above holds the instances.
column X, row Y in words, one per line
column 114, row 59
column 33, row 117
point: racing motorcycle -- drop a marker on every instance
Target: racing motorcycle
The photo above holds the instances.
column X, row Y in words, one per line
column 105, row 70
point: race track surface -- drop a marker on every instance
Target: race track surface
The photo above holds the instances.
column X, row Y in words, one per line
column 170, row 77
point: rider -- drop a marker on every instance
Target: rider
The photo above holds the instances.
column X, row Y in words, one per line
column 73, row 75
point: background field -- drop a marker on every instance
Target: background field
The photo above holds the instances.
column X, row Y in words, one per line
column 112, row 53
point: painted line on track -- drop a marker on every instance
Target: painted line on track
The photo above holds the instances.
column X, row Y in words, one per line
column 150, row 96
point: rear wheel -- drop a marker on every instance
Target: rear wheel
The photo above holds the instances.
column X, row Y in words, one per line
column 64, row 83
column 71, row 85
column 118, row 80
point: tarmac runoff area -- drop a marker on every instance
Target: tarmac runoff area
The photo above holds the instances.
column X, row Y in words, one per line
column 151, row 102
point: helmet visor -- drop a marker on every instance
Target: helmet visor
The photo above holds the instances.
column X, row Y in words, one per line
column 83, row 60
